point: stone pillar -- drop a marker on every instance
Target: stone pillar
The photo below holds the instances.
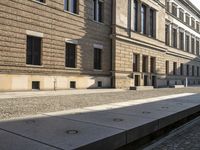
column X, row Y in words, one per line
column 170, row 34
column 140, row 62
column 155, row 23
column 183, row 40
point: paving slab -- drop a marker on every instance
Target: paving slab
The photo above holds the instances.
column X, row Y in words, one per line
column 10, row 141
column 66, row 134
column 119, row 121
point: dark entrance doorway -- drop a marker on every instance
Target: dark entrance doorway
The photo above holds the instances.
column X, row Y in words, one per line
column 145, row 80
column 154, row 81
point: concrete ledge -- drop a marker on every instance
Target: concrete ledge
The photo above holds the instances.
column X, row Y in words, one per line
column 177, row 86
column 142, row 88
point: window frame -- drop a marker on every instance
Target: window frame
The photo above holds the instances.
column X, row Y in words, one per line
column 69, row 64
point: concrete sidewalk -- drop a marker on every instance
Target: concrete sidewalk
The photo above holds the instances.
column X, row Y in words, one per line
column 7, row 95
column 101, row 127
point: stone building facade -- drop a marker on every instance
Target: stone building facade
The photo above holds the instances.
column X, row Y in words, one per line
column 146, row 52
column 59, row 27
column 63, row 44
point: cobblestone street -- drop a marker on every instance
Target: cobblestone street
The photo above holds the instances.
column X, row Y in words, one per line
column 186, row 137
column 19, row 107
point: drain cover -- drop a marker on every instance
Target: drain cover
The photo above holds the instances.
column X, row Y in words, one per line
column 165, row 107
column 146, row 112
column 72, row 132
column 118, row 120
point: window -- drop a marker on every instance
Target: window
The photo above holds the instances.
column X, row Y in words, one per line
column 72, row 84
column 153, row 64
column 181, row 15
column 136, row 62
column 193, row 70
column 174, row 38
column 197, row 48
column 197, row 26
column 99, row 84
column 175, row 68
column 167, row 34
column 143, row 19
column 145, row 64
column 174, row 10
column 187, row 19
column 35, row 85
column 193, row 23
column 97, row 58
column 71, row 6
column 182, row 69
column 151, row 22
column 70, row 55
column 187, row 43
column 198, row 71
column 135, row 15
column 192, row 44
column 41, row 1
column 167, row 67
column 181, row 39
column 188, row 70
column 33, row 50
column 98, row 10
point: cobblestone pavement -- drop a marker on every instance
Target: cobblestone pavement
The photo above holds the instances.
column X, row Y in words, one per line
column 186, row 137
column 20, row 107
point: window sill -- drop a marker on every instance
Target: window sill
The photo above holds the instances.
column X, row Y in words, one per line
column 70, row 68
column 34, row 66
column 39, row 2
column 98, row 70
column 101, row 23
column 71, row 13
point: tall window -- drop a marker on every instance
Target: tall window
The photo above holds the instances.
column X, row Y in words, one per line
column 188, row 70
column 192, row 45
column 181, row 15
column 71, row 6
column 97, row 58
column 135, row 14
column 174, row 10
column 98, row 10
column 167, row 67
column 175, row 68
column 33, row 50
column 143, row 19
column 174, row 38
column 144, row 63
column 193, row 23
column 197, row 26
column 153, row 65
column 151, row 22
column 181, row 39
column 187, row 19
column 136, row 63
column 182, row 69
column 197, row 47
column 167, row 34
column 198, row 71
column 70, row 55
column 193, row 70
column 187, row 43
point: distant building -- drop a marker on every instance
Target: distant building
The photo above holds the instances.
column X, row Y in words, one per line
column 63, row 44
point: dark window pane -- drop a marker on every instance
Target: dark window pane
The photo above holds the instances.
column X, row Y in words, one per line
column 97, row 58
column 70, row 55
column 33, row 55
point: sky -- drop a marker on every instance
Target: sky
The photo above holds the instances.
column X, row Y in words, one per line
column 196, row 3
